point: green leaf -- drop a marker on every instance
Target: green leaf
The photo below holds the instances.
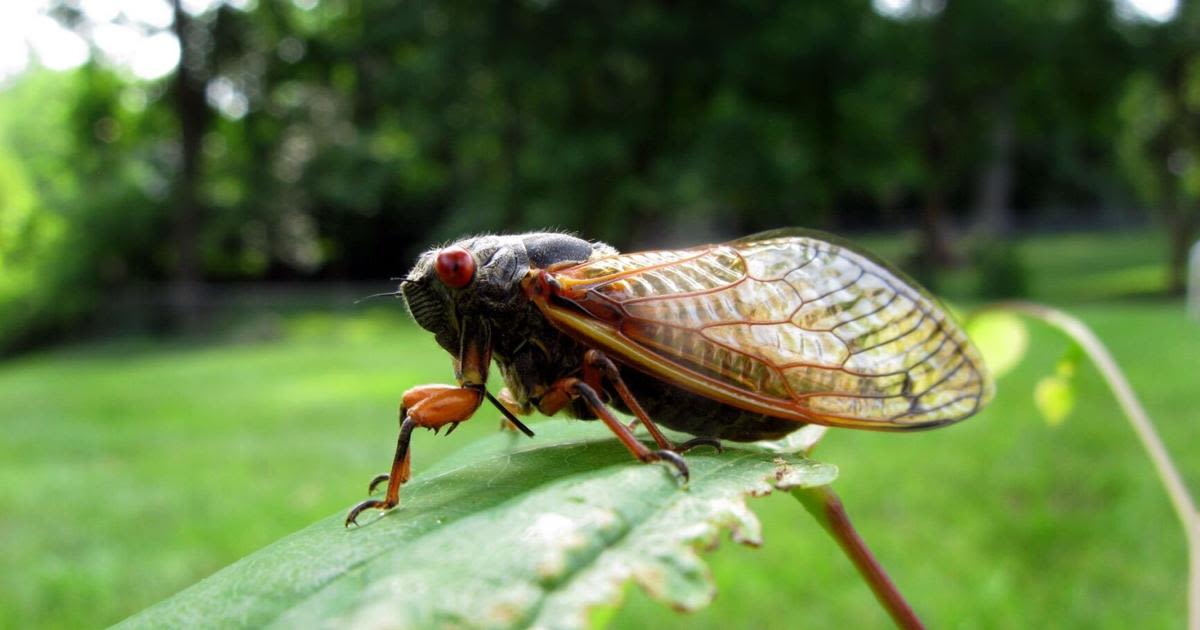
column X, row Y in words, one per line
column 507, row 532
column 1001, row 337
column 1055, row 398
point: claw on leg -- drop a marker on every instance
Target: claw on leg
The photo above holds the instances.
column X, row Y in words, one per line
column 671, row 457
column 380, row 478
column 352, row 517
column 700, row 441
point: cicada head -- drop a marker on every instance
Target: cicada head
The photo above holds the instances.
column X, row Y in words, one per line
column 479, row 278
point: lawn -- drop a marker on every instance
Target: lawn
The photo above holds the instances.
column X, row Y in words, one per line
column 130, row 469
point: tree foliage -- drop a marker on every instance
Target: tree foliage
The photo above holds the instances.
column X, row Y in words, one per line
column 1159, row 143
column 336, row 140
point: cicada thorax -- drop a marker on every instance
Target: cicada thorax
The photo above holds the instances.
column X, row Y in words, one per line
column 532, row 355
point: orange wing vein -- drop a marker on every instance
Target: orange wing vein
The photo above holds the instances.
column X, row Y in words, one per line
column 788, row 324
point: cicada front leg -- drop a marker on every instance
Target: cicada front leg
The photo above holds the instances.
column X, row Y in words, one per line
column 598, row 368
column 427, row 406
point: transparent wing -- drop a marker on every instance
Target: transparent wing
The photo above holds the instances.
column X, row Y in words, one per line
column 788, row 323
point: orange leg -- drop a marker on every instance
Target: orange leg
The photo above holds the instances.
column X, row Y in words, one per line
column 430, row 407
column 569, row 388
column 597, row 367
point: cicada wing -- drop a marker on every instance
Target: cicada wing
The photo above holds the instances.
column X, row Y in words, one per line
column 791, row 324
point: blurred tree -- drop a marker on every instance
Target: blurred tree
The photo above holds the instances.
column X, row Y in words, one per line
column 335, row 139
column 28, row 238
column 194, row 118
column 1160, row 140
column 994, row 85
column 98, row 174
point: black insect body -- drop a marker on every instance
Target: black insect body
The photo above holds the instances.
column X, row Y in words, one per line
column 741, row 341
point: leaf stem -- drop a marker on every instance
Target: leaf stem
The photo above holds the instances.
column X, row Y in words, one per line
column 823, row 503
column 1172, row 480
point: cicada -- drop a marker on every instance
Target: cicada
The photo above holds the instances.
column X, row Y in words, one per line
column 741, row 341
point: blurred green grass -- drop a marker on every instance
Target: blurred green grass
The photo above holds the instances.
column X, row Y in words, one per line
column 1068, row 268
column 131, row 469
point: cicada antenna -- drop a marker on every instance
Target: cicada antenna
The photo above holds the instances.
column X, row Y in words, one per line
column 397, row 292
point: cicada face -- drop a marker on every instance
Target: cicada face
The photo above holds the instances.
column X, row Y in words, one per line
column 479, row 279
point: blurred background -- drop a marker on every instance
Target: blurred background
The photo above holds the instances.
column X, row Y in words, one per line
column 193, row 193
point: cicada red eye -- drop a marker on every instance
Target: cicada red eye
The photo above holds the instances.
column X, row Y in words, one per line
column 455, row 267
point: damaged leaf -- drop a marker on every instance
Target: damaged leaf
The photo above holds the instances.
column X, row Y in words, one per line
column 540, row 533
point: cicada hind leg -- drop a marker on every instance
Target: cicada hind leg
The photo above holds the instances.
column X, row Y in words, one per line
column 428, row 406
column 570, row 388
column 598, row 368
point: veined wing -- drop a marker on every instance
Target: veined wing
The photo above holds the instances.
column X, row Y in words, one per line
column 787, row 323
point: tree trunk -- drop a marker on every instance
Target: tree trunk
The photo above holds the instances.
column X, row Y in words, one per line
column 994, row 203
column 1183, row 229
column 935, row 249
column 1181, row 217
column 185, row 299
column 511, row 137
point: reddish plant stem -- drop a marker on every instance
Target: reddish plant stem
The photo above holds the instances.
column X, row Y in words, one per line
column 823, row 503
